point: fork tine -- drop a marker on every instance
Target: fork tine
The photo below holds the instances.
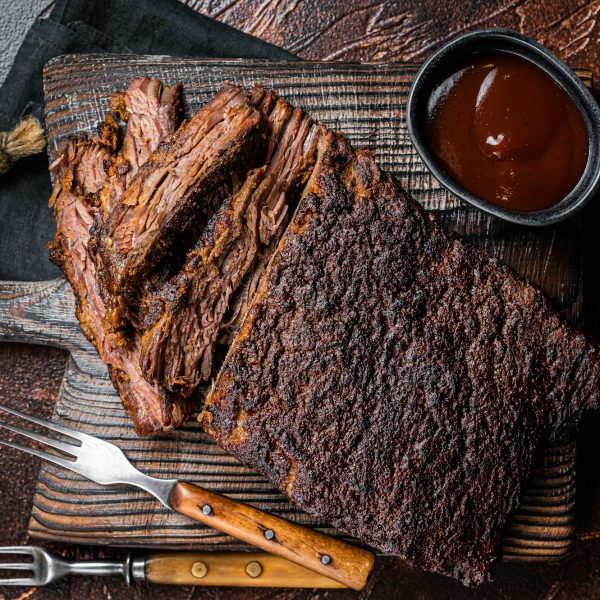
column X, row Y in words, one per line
column 26, row 581
column 17, row 550
column 39, row 437
column 57, row 460
column 22, row 566
column 59, row 428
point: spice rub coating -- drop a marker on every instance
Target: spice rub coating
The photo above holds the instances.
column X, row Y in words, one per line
column 82, row 172
column 176, row 191
column 392, row 379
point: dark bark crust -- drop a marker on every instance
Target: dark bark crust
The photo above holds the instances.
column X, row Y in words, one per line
column 394, row 380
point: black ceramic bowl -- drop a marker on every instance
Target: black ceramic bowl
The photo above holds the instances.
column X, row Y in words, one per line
column 504, row 40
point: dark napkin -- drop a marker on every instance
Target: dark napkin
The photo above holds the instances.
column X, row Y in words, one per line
column 89, row 26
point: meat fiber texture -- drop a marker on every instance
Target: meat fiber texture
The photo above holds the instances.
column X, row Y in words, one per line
column 174, row 192
column 152, row 111
column 84, row 172
column 187, row 314
column 393, row 380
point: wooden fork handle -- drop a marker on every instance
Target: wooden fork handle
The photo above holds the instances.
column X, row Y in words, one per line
column 316, row 551
column 237, row 569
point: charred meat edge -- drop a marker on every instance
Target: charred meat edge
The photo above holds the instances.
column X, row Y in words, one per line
column 238, row 237
column 177, row 188
column 81, row 173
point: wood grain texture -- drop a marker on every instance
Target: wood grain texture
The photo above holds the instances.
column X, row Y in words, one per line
column 323, row 554
column 543, row 527
column 256, row 569
column 78, row 94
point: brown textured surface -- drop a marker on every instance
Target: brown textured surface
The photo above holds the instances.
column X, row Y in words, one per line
column 191, row 167
column 178, row 350
column 395, row 31
column 405, row 31
column 364, row 300
column 541, row 528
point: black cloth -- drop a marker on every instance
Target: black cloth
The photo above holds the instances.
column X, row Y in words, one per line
column 89, row 26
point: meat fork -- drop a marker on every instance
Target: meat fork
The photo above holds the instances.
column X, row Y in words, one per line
column 105, row 463
column 255, row 569
column 45, row 567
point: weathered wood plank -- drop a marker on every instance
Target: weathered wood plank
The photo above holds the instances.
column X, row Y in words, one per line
column 366, row 102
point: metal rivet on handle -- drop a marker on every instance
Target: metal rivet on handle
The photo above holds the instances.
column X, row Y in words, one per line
column 254, row 569
column 207, row 509
column 269, row 534
column 326, row 559
column 199, row 570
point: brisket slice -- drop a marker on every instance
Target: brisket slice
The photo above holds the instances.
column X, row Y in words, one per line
column 234, row 317
column 152, row 111
column 177, row 189
column 81, row 174
column 178, row 349
column 394, row 380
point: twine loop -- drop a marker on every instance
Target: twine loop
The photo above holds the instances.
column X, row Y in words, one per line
column 27, row 138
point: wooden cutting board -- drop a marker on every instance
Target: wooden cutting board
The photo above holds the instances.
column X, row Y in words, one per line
column 367, row 103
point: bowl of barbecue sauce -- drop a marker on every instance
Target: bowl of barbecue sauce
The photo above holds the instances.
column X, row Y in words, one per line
column 506, row 126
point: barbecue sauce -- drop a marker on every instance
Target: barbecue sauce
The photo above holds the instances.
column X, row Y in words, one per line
column 507, row 132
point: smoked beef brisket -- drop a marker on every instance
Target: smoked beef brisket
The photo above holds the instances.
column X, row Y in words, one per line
column 387, row 377
column 393, row 380
column 79, row 175
column 152, row 111
column 185, row 317
column 178, row 188
column 82, row 171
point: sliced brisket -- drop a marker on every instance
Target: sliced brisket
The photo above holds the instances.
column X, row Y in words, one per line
column 177, row 189
column 392, row 379
column 81, row 174
column 188, row 325
column 152, row 111
column 189, row 311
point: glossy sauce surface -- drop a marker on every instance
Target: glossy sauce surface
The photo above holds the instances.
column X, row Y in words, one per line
column 507, row 132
